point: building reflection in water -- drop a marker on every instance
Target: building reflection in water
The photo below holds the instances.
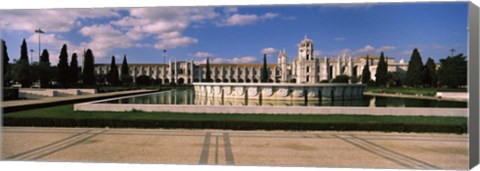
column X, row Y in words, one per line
column 188, row 97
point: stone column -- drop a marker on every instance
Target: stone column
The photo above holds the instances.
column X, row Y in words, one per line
column 253, row 74
column 245, row 74
column 200, row 72
column 221, row 74
column 191, row 72
column 176, row 71
column 230, row 74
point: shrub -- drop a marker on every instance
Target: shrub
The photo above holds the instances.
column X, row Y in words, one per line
column 143, row 80
column 341, row 79
column 10, row 93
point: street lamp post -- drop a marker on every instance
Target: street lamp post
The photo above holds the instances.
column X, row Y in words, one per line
column 164, row 55
column 452, row 50
column 31, row 55
column 165, row 66
column 40, row 32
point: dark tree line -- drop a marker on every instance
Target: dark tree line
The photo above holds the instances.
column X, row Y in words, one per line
column 381, row 76
column 88, row 75
column 366, row 75
column 208, row 77
column 26, row 72
column 6, row 66
column 62, row 67
column 64, row 74
column 112, row 76
column 125, row 77
column 451, row 73
column 264, row 73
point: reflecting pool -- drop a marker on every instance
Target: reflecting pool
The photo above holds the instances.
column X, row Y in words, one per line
column 187, row 97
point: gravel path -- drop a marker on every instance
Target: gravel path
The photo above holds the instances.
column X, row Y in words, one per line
column 226, row 147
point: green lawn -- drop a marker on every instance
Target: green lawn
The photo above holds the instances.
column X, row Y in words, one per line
column 65, row 116
column 412, row 91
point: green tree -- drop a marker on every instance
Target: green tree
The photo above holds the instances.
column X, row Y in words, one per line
column 264, row 73
column 74, row 70
column 366, row 72
column 21, row 70
column 125, row 76
column 45, row 74
column 143, row 80
column 415, row 71
column 88, row 76
column 341, row 79
column 382, row 71
column 208, row 73
column 62, row 68
column 112, row 76
column 6, row 67
column 396, row 79
column 430, row 73
column 24, row 52
column 453, row 71
column 45, row 58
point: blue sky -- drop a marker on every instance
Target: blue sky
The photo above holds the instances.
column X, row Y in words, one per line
column 242, row 34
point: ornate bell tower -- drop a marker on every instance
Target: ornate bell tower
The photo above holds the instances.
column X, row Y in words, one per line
column 305, row 50
column 282, row 62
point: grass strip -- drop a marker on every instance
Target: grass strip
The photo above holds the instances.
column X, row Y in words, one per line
column 64, row 116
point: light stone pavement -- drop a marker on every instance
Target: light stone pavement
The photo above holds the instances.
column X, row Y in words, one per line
column 227, row 147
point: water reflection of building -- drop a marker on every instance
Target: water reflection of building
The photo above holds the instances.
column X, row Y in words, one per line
column 305, row 68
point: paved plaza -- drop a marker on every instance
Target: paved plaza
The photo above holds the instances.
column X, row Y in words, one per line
column 226, row 147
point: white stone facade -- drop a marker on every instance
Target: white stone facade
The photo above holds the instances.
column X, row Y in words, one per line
column 306, row 68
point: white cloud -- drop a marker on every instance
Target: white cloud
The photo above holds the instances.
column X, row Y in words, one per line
column 53, row 43
column 103, row 39
column 339, row 39
column 167, row 42
column 165, row 24
column 203, row 54
column 51, row 39
column 180, row 14
column 269, row 51
column 386, row 48
column 140, row 45
column 362, row 51
column 406, row 53
column 269, row 15
column 51, row 20
column 318, row 53
column 342, row 52
column 366, row 49
column 229, row 10
column 243, row 60
column 238, row 19
column 245, row 19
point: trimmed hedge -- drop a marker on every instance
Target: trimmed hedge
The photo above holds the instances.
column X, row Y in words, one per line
column 10, row 93
column 233, row 125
